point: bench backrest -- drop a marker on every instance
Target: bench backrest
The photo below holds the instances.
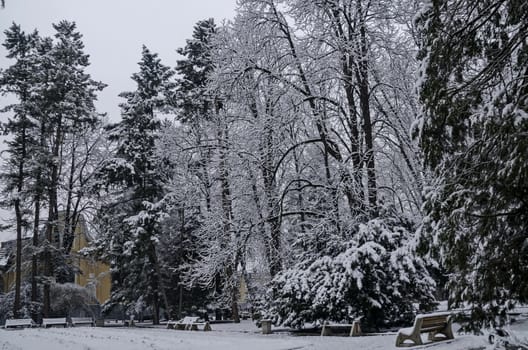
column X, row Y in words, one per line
column 60, row 320
column 433, row 321
column 82, row 320
column 189, row 320
column 19, row 322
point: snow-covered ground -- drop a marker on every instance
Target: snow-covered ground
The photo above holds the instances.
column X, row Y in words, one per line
column 223, row 337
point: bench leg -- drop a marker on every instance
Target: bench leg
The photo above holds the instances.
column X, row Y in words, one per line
column 326, row 331
column 415, row 338
column 399, row 340
column 431, row 336
column 448, row 331
column 355, row 331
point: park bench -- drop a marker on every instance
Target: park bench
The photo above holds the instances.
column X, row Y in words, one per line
column 19, row 323
column 78, row 321
column 355, row 328
column 434, row 324
column 50, row 322
column 189, row 324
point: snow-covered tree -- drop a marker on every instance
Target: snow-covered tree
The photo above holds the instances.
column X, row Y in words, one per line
column 376, row 275
column 310, row 113
column 67, row 95
column 56, row 98
column 134, row 178
column 473, row 87
column 202, row 110
column 18, row 80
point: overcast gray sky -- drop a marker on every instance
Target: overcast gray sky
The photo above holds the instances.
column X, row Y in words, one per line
column 113, row 33
column 115, row 30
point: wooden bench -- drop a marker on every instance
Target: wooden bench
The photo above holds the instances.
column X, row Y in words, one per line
column 77, row 321
column 355, row 328
column 50, row 322
column 189, row 324
column 19, row 323
column 434, row 324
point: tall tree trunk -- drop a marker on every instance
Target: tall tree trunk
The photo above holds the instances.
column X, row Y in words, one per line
column 36, row 243
column 51, row 226
column 160, row 287
column 69, row 217
column 300, row 197
column 19, row 220
column 36, row 223
column 354, row 193
column 364, row 96
column 227, row 208
column 274, row 245
column 18, row 261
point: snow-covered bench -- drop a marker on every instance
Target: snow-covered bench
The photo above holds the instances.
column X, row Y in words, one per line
column 77, row 321
column 434, row 324
column 200, row 326
column 355, row 328
column 182, row 324
column 19, row 322
column 50, row 322
column 189, row 324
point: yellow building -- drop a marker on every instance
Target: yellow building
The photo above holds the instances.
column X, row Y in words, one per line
column 93, row 274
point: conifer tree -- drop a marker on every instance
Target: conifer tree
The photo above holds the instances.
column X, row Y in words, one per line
column 135, row 177
column 18, row 80
column 202, row 110
column 193, row 99
column 56, row 98
column 68, row 96
column 474, row 91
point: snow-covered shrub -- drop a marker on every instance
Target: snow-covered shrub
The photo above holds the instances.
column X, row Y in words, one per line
column 67, row 297
column 27, row 307
column 377, row 276
column 6, row 305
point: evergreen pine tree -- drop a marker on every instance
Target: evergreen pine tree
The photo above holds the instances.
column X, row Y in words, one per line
column 67, row 95
column 132, row 219
column 474, row 91
column 56, row 98
column 193, row 98
column 18, row 80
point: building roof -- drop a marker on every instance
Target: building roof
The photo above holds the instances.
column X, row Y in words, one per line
column 8, row 247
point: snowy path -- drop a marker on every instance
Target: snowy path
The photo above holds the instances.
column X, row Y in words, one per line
column 223, row 337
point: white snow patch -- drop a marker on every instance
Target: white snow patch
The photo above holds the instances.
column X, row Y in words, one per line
column 223, row 337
